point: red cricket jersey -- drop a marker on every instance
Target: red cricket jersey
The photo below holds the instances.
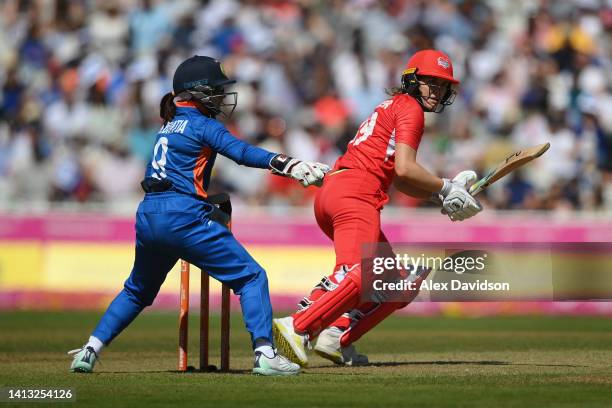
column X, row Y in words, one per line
column 396, row 120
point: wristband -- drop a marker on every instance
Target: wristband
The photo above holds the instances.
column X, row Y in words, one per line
column 446, row 188
column 282, row 164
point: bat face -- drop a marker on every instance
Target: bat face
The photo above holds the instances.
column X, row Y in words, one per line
column 511, row 163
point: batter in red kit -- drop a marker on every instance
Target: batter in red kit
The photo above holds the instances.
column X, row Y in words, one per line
column 348, row 205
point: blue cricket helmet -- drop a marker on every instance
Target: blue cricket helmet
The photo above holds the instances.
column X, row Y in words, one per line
column 202, row 79
column 199, row 70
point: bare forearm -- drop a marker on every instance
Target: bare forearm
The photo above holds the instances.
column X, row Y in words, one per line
column 409, row 189
column 415, row 175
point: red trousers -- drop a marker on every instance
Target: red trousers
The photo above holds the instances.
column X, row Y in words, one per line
column 347, row 209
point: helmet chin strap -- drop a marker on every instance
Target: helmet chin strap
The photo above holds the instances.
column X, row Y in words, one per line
column 438, row 108
column 421, row 100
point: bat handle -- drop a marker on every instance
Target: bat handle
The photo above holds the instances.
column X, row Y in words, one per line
column 474, row 190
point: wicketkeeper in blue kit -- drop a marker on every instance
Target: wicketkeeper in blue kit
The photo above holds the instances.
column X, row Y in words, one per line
column 174, row 220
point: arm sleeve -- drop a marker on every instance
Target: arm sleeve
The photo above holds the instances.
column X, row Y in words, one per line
column 222, row 141
column 409, row 123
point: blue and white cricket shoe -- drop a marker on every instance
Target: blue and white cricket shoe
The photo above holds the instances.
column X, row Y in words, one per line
column 84, row 360
column 277, row 365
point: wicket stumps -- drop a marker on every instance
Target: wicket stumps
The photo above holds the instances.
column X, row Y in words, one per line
column 204, row 322
column 223, row 204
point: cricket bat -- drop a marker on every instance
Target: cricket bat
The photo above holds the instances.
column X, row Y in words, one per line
column 511, row 163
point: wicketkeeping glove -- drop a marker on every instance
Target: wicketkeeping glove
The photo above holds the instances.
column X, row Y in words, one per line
column 307, row 173
column 458, row 204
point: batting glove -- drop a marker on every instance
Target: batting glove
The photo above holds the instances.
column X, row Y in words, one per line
column 458, row 204
column 307, row 173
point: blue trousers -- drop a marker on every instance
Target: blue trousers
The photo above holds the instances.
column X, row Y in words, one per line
column 172, row 226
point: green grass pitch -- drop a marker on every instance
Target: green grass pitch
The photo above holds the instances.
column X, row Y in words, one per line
column 417, row 361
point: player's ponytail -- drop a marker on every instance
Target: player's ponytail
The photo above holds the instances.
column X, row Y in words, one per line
column 396, row 90
column 167, row 108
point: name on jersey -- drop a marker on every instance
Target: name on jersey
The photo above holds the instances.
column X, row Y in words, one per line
column 176, row 126
column 385, row 104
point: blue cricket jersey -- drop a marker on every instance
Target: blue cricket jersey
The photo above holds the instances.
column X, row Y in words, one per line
column 186, row 148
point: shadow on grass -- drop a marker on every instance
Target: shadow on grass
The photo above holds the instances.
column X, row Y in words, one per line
column 371, row 365
column 455, row 362
column 190, row 372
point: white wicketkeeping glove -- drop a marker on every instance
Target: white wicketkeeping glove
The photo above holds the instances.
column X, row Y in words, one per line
column 458, row 204
column 307, row 173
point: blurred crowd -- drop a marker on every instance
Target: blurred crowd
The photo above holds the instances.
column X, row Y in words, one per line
column 81, row 83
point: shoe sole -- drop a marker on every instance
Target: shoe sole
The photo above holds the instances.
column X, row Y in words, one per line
column 273, row 373
column 333, row 357
column 328, row 356
column 80, row 370
column 284, row 346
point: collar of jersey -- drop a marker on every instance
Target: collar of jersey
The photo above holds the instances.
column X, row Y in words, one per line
column 185, row 104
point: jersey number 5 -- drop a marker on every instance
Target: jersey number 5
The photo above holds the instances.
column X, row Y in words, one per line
column 160, row 165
